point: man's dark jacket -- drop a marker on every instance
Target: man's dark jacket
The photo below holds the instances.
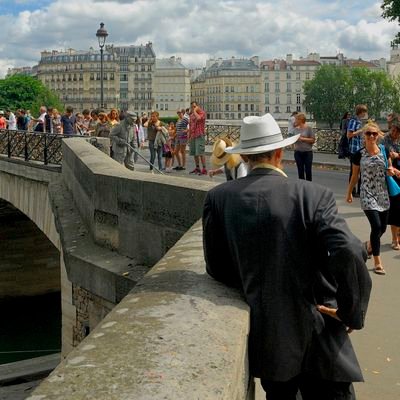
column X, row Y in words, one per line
column 282, row 242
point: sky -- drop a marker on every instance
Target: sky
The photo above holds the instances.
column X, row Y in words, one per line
column 196, row 30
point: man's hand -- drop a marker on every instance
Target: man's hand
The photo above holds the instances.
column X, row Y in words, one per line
column 331, row 312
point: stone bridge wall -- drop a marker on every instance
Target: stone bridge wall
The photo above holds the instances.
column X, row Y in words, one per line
column 178, row 334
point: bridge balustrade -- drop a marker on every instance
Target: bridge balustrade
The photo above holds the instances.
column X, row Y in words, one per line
column 46, row 147
column 327, row 140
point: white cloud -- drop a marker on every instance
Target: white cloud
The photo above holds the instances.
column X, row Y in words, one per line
column 196, row 29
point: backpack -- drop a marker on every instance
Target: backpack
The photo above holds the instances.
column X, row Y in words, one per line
column 343, row 147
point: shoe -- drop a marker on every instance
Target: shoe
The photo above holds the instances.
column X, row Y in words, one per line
column 203, row 172
column 369, row 252
column 356, row 195
column 195, row 171
column 378, row 269
column 183, row 169
column 177, row 168
column 395, row 246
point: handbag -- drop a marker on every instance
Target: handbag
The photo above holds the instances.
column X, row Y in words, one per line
column 393, row 187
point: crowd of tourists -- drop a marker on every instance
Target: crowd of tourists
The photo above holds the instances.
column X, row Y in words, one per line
column 167, row 143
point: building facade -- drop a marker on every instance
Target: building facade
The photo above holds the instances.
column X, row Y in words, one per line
column 229, row 89
column 76, row 77
column 171, row 86
column 283, row 84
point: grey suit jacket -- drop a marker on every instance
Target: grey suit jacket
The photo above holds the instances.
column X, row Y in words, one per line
column 283, row 243
column 120, row 135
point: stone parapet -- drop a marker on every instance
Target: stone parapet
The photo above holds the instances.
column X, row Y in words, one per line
column 139, row 215
column 178, row 335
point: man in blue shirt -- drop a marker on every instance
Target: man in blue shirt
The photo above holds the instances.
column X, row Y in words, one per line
column 68, row 122
column 355, row 139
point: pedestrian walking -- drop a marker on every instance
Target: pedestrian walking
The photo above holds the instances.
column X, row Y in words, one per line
column 303, row 153
column 369, row 163
column 300, row 268
column 354, row 135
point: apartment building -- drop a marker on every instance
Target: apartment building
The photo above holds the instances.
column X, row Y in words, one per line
column 229, row 89
column 171, row 86
column 283, row 82
column 76, row 76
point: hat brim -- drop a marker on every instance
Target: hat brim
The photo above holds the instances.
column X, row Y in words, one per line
column 219, row 162
column 262, row 149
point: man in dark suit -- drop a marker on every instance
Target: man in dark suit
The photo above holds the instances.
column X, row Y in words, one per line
column 302, row 271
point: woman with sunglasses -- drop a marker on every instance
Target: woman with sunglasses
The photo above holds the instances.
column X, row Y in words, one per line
column 374, row 196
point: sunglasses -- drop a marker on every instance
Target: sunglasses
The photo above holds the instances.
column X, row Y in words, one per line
column 374, row 134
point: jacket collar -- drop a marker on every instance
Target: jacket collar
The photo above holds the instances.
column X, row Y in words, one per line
column 268, row 168
column 266, row 171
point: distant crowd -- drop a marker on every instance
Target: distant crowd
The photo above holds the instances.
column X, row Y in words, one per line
column 166, row 143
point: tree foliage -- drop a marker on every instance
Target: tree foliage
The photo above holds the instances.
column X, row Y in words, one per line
column 25, row 92
column 335, row 90
column 391, row 12
column 327, row 95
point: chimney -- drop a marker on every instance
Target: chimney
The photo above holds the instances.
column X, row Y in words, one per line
column 289, row 59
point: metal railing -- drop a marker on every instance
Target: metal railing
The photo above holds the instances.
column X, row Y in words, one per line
column 32, row 146
column 327, row 140
column 46, row 147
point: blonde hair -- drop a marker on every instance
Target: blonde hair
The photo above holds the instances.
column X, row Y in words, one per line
column 301, row 117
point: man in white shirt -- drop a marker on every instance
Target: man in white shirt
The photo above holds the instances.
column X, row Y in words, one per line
column 11, row 120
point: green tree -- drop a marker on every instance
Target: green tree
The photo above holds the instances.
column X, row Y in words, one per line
column 382, row 91
column 25, row 92
column 335, row 90
column 391, row 12
column 327, row 94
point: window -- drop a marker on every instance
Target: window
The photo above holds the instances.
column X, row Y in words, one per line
column 297, row 76
column 166, row 107
column 111, row 76
column 298, row 108
column 251, row 107
column 307, row 75
column 289, row 99
column 266, row 108
column 232, row 89
column 277, row 100
column 162, row 107
column 277, row 109
column 246, row 107
column 288, row 75
column 288, row 87
column 239, row 107
column 267, row 86
column 288, row 109
column 277, row 90
column 298, row 98
column 226, row 107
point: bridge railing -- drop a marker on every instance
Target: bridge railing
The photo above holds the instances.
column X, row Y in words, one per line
column 32, row 146
column 327, row 139
column 46, row 147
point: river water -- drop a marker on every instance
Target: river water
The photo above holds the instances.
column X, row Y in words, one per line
column 30, row 327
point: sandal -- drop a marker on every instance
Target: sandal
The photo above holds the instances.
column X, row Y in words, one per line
column 369, row 252
column 378, row 269
column 395, row 246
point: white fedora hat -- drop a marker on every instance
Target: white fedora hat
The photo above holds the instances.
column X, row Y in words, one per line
column 259, row 135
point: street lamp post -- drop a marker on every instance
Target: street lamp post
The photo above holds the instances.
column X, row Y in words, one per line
column 101, row 36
